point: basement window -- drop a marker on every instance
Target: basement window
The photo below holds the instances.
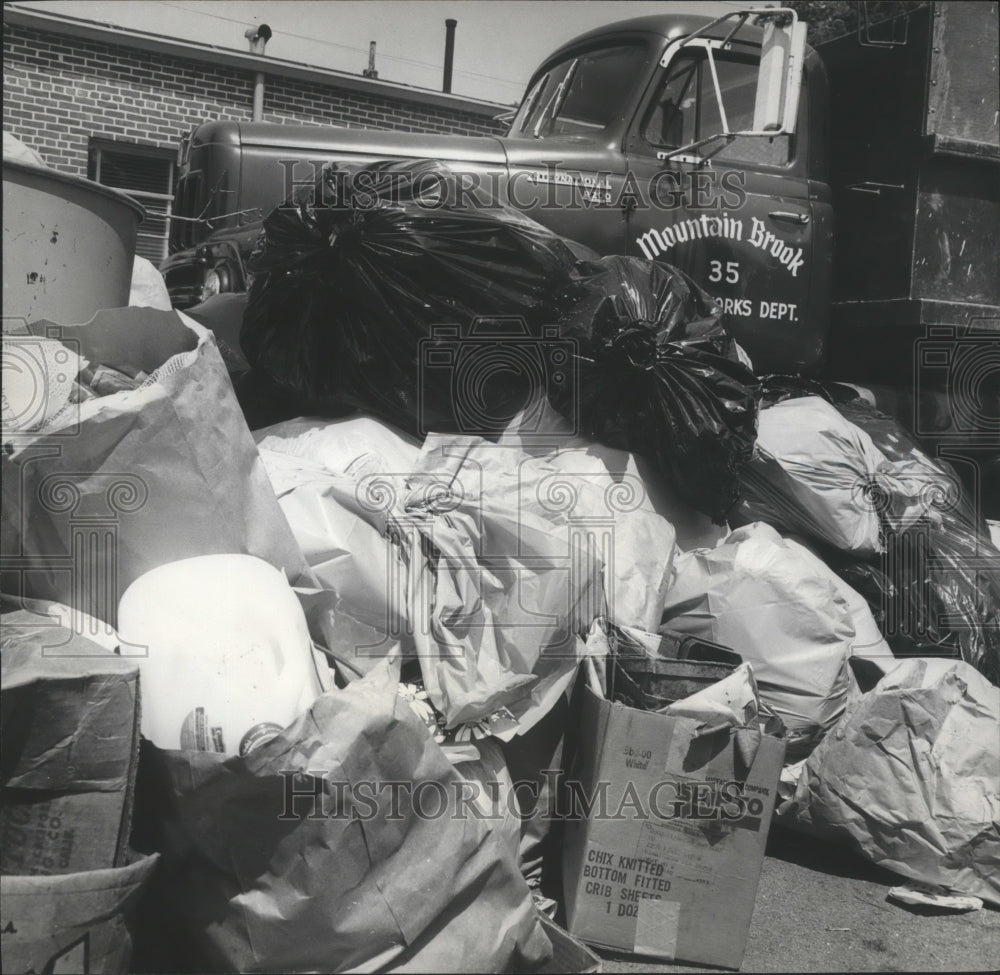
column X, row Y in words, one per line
column 147, row 174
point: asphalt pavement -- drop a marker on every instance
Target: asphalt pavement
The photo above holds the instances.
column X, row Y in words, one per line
column 821, row 908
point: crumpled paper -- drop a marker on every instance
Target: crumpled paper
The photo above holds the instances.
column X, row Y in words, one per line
column 732, row 700
column 919, row 897
column 910, row 778
column 335, row 481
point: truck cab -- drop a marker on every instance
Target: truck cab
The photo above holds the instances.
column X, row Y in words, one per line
column 746, row 217
column 612, row 146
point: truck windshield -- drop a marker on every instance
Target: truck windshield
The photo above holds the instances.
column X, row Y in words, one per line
column 582, row 95
column 687, row 110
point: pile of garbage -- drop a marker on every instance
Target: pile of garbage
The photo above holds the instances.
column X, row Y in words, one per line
column 533, row 605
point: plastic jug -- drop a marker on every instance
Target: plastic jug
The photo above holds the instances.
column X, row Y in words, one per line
column 223, row 651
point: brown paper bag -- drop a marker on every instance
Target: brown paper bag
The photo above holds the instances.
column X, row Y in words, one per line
column 121, row 484
column 339, row 846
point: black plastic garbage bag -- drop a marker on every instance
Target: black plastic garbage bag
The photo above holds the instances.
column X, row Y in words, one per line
column 776, row 387
column 659, row 375
column 383, row 294
column 923, row 594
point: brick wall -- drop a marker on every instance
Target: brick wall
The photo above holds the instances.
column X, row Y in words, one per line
column 59, row 91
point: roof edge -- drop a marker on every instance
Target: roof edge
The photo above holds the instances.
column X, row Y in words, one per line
column 197, row 51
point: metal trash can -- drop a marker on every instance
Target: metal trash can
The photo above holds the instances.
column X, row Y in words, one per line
column 68, row 246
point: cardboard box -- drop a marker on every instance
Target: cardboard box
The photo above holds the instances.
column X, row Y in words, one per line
column 666, row 862
column 568, row 954
column 79, row 922
column 70, row 747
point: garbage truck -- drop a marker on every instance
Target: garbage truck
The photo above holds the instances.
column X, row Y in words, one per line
column 842, row 203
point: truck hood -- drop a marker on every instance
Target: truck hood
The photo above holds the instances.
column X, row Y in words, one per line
column 572, row 152
column 363, row 142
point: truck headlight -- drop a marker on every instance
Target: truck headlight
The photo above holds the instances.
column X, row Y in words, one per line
column 211, row 284
column 216, row 281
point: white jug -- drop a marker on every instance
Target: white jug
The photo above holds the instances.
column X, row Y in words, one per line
column 223, row 651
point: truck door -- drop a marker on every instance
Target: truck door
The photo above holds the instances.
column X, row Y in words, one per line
column 736, row 216
column 566, row 168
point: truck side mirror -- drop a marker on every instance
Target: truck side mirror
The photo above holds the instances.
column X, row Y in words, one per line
column 779, row 78
column 778, row 81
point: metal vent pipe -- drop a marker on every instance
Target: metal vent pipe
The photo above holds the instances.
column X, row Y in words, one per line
column 258, row 37
column 449, row 52
column 370, row 71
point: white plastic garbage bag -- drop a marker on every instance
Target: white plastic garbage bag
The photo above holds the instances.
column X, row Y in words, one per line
column 777, row 605
column 503, row 576
column 609, row 486
column 335, row 481
column 910, row 778
column 357, row 446
column 812, row 476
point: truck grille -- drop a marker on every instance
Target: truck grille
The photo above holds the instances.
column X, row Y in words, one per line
column 184, row 284
column 188, row 202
